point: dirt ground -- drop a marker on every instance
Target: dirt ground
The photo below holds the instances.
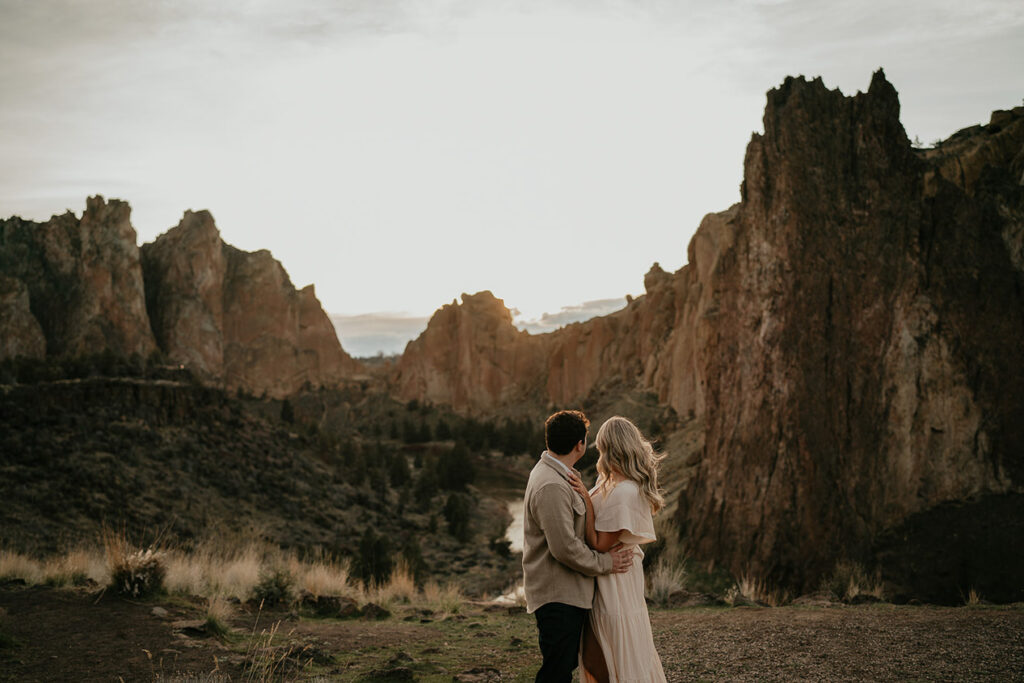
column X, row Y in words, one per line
column 57, row 635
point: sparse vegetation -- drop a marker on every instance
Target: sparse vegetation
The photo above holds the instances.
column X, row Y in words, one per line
column 849, row 581
column 667, row 579
column 135, row 572
column 275, row 587
column 218, row 614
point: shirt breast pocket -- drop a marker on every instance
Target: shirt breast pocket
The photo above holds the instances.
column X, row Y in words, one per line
column 579, row 508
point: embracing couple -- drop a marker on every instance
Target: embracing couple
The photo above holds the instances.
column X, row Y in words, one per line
column 572, row 535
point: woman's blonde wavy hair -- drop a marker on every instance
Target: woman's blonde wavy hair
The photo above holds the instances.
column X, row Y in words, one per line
column 624, row 449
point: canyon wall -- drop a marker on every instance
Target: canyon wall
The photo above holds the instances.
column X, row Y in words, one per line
column 83, row 281
column 74, row 287
column 868, row 365
column 850, row 334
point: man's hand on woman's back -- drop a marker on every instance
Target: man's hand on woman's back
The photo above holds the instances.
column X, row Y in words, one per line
column 622, row 559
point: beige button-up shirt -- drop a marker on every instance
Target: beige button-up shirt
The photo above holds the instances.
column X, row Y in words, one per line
column 558, row 565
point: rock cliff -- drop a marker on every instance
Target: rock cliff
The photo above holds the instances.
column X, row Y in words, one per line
column 83, row 280
column 472, row 358
column 22, row 335
column 234, row 316
column 849, row 333
column 184, row 272
column 71, row 287
column 866, row 364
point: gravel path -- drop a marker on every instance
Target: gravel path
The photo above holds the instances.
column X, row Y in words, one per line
column 868, row 643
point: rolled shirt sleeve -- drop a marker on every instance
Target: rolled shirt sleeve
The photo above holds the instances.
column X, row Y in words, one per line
column 553, row 508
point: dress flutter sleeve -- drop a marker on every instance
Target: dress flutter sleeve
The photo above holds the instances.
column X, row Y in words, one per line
column 628, row 511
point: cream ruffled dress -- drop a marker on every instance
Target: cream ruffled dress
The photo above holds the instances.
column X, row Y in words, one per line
column 619, row 616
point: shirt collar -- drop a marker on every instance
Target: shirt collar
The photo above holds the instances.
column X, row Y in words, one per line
column 552, row 459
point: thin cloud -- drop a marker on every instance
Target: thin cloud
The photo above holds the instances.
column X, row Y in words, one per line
column 370, row 334
column 548, row 322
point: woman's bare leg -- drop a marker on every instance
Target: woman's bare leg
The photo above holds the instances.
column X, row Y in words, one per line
column 593, row 658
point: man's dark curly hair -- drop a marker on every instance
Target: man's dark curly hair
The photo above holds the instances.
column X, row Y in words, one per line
column 565, row 429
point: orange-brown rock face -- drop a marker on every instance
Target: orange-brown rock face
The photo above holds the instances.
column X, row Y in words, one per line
column 83, row 278
column 235, row 317
column 184, row 272
column 850, row 333
column 322, row 361
column 71, row 287
column 22, row 336
column 472, row 358
column 866, row 359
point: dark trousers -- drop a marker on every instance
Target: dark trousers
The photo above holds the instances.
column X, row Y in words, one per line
column 560, row 627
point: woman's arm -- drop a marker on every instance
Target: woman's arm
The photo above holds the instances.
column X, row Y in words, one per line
column 601, row 541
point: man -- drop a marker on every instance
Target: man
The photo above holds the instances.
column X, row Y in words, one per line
column 558, row 566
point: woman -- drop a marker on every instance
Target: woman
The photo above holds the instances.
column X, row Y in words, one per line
column 618, row 646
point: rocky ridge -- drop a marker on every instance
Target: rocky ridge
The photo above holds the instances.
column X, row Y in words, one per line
column 849, row 333
column 76, row 287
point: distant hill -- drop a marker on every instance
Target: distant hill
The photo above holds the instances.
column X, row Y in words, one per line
column 183, row 463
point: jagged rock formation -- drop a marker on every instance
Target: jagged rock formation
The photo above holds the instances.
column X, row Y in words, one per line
column 184, row 272
column 871, row 317
column 22, row 335
column 83, row 279
column 232, row 317
column 471, row 357
column 849, row 333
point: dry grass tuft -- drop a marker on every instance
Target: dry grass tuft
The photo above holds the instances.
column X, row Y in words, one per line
column 17, row 566
column 447, row 599
column 849, row 580
column 750, row 589
column 214, row 569
column 218, row 614
column 667, row 579
column 133, row 571
column 400, row 588
column 77, row 568
column 323, row 578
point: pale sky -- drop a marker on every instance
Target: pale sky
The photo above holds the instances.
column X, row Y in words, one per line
column 397, row 154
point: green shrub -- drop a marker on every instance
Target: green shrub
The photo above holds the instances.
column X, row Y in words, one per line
column 374, row 562
column 457, row 513
column 274, row 588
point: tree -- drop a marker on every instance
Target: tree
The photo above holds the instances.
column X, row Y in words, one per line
column 379, row 480
column 456, row 513
column 287, row 412
column 398, row 470
column 455, row 468
column 374, row 563
column 424, row 435
column 413, row 557
column 425, row 488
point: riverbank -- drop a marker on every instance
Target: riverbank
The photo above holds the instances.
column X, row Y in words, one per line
column 51, row 634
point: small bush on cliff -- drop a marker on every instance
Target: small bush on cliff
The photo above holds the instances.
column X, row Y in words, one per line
column 850, row 581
